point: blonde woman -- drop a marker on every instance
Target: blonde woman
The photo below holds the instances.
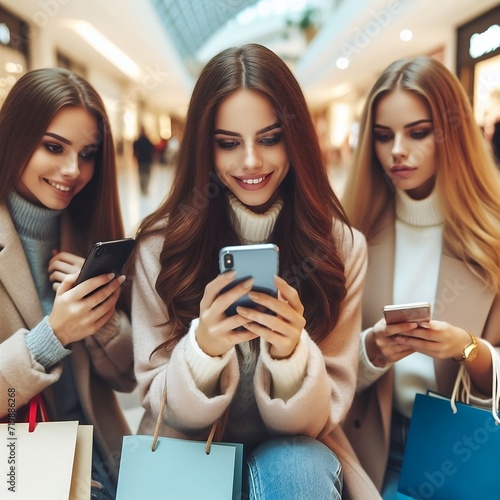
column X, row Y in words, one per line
column 425, row 191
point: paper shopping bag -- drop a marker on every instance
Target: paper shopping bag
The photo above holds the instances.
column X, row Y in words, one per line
column 179, row 469
column 450, row 455
column 39, row 465
column 82, row 466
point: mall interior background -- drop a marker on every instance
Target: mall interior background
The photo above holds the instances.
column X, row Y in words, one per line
column 143, row 57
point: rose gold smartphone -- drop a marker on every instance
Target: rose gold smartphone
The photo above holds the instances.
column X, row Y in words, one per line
column 407, row 313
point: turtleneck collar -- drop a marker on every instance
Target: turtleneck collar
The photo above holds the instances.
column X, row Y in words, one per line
column 32, row 221
column 252, row 227
column 422, row 213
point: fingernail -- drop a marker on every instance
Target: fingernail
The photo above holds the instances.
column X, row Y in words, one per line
column 230, row 275
column 248, row 284
column 122, row 278
column 111, row 276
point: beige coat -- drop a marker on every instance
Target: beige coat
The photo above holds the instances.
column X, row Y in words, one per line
column 101, row 363
column 461, row 299
column 316, row 410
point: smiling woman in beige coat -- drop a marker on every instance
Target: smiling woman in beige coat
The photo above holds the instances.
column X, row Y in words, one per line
column 58, row 195
column 284, row 380
column 426, row 193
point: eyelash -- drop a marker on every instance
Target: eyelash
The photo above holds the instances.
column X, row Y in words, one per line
column 86, row 154
column 266, row 141
column 417, row 135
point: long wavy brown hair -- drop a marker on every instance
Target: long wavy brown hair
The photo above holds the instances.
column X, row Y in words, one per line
column 468, row 181
column 26, row 113
column 195, row 220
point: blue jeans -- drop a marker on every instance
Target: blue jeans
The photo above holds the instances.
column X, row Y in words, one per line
column 295, row 468
column 399, row 433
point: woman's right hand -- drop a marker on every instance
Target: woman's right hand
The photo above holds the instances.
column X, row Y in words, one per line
column 216, row 333
column 382, row 344
column 76, row 314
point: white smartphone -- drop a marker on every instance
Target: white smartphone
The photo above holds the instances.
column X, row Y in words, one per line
column 259, row 262
column 407, row 313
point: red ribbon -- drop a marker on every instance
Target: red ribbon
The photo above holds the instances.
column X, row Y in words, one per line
column 36, row 404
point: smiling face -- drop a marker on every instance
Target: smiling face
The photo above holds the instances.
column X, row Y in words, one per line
column 63, row 161
column 404, row 141
column 250, row 154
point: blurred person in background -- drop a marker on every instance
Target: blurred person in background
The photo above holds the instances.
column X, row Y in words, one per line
column 144, row 151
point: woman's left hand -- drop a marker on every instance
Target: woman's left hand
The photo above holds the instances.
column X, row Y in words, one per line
column 61, row 265
column 437, row 339
column 283, row 330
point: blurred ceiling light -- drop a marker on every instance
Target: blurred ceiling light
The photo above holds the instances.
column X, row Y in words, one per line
column 11, row 67
column 342, row 63
column 4, row 34
column 107, row 48
column 406, row 35
column 340, row 91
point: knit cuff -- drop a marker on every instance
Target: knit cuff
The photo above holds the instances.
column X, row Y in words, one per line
column 204, row 369
column 367, row 371
column 44, row 345
column 287, row 374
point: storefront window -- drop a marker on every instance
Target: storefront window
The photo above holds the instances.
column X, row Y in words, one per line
column 12, row 67
column 487, row 93
column 13, row 51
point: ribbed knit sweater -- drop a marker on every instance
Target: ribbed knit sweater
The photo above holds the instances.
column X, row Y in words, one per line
column 38, row 229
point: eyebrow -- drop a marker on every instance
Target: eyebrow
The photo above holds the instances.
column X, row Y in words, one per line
column 261, row 131
column 59, row 138
column 67, row 141
column 408, row 125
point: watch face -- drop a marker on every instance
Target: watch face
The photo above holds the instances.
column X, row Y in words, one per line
column 470, row 352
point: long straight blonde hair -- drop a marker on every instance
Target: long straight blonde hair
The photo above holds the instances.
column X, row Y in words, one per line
column 467, row 182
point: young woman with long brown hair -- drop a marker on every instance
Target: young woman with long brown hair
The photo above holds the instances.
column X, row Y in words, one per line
column 58, row 196
column 250, row 171
column 425, row 191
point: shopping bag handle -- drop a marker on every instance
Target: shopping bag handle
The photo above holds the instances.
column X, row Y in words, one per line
column 462, row 387
column 36, row 403
column 159, row 422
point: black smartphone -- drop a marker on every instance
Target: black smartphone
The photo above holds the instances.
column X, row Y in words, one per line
column 259, row 262
column 407, row 313
column 106, row 257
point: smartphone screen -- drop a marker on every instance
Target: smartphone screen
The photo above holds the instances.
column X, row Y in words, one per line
column 106, row 257
column 259, row 262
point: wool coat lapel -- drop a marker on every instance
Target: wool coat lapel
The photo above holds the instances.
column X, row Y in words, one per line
column 15, row 274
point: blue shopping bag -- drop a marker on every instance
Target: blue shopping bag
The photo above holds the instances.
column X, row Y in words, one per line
column 450, row 455
column 179, row 469
column 163, row 468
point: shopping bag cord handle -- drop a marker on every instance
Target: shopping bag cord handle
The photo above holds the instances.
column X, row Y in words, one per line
column 462, row 387
column 159, row 421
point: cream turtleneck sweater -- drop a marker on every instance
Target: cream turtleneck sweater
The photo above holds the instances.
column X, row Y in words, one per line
column 252, row 227
column 419, row 229
column 419, row 233
column 287, row 374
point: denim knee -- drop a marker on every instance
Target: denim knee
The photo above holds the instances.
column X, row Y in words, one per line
column 294, row 467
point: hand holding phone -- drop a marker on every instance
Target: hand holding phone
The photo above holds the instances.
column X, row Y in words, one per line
column 415, row 312
column 106, row 257
column 259, row 262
